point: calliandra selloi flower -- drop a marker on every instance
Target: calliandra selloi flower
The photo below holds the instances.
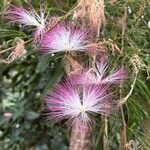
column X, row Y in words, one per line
column 19, row 15
column 78, row 105
column 99, row 75
column 65, row 37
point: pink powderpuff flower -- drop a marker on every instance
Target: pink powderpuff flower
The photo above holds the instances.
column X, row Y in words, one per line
column 115, row 77
column 65, row 37
column 22, row 16
column 78, row 104
column 99, row 76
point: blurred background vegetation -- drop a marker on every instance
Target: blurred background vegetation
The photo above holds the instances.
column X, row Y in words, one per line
column 24, row 83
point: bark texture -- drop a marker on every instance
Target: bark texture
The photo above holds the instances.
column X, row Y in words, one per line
column 80, row 138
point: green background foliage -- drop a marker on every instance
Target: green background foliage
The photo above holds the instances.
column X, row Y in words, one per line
column 24, row 83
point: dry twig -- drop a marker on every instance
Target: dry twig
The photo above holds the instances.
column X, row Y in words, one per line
column 123, row 134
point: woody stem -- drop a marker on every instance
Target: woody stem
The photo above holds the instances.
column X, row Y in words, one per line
column 80, row 138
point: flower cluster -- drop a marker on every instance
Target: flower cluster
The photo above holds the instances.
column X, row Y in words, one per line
column 85, row 94
column 60, row 37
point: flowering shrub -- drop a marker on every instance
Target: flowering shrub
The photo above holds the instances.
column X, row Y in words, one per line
column 93, row 72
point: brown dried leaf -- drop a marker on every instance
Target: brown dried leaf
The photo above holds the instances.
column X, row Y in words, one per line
column 18, row 52
column 113, row 46
column 71, row 65
column 132, row 145
column 90, row 12
column 96, row 14
column 96, row 48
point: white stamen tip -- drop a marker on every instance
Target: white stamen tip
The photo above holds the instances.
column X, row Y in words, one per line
column 82, row 109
